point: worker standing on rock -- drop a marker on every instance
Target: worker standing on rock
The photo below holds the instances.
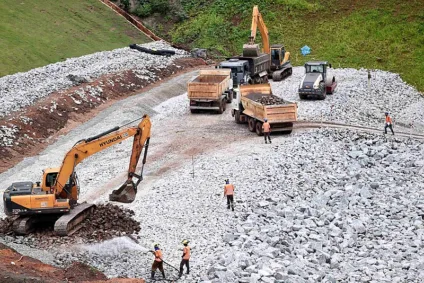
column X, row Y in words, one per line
column 158, row 263
column 388, row 123
column 186, row 258
column 266, row 129
column 229, row 192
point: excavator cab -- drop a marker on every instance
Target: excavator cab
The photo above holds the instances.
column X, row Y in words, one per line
column 278, row 56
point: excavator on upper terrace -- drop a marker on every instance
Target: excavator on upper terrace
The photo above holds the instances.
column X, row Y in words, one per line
column 55, row 198
column 280, row 65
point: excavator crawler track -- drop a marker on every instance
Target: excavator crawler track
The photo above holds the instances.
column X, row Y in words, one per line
column 281, row 74
column 69, row 223
column 24, row 225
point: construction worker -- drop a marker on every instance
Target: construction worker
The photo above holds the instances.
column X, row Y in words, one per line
column 158, row 262
column 266, row 129
column 229, row 192
column 185, row 258
column 388, row 123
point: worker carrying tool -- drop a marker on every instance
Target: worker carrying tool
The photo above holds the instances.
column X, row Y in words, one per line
column 266, row 129
column 229, row 192
column 185, row 258
column 388, row 123
column 158, row 262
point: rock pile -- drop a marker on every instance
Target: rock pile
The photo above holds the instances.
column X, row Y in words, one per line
column 352, row 212
column 356, row 103
column 106, row 222
column 327, row 205
column 270, row 100
column 22, row 89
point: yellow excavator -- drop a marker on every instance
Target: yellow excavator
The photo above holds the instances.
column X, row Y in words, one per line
column 280, row 65
column 55, row 198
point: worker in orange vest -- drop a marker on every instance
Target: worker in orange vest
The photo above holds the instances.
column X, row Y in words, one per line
column 158, row 262
column 266, row 129
column 185, row 258
column 388, row 123
column 229, row 192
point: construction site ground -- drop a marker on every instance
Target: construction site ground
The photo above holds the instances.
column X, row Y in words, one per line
column 198, row 150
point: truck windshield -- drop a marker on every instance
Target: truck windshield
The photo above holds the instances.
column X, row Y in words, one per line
column 315, row 68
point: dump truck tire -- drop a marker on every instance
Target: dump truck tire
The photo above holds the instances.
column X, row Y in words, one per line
column 258, row 129
column 221, row 107
column 237, row 117
column 252, row 125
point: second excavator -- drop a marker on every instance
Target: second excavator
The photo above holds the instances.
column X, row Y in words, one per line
column 280, row 66
column 55, row 198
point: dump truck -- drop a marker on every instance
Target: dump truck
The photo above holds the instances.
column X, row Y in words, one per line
column 254, row 103
column 210, row 90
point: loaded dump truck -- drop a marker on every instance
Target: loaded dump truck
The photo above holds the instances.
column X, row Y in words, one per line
column 210, row 90
column 254, row 103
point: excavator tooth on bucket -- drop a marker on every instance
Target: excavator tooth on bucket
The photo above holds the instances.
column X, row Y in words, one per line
column 125, row 194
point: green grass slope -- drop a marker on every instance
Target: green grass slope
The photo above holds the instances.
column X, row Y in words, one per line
column 35, row 33
column 383, row 34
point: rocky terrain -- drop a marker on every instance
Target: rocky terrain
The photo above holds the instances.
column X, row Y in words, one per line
column 354, row 102
column 16, row 268
column 45, row 102
column 317, row 205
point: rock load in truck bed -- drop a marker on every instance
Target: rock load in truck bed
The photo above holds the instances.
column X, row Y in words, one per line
column 266, row 99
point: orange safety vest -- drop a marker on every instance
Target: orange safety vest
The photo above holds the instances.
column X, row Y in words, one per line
column 229, row 190
column 186, row 252
column 158, row 255
column 388, row 119
column 266, row 127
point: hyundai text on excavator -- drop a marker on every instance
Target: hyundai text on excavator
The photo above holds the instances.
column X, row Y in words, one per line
column 55, row 198
column 254, row 66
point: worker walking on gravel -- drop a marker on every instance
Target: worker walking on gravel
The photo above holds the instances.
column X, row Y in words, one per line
column 266, row 129
column 185, row 258
column 158, row 262
column 229, row 192
column 388, row 123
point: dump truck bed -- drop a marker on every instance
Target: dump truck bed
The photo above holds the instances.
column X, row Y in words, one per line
column 259, row 102
column 209, row 84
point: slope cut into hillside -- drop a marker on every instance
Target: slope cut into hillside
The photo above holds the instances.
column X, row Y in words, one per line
column 37, row 33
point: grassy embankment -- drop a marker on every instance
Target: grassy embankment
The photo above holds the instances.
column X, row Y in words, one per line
column 36, row 33
column 381, row 34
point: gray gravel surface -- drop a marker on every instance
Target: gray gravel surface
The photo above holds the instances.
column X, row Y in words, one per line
column 23, row 89
column 316, row 205
column 355, row 103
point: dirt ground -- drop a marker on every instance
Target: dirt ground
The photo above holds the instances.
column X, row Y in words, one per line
column 15, row 268
column 61, row 111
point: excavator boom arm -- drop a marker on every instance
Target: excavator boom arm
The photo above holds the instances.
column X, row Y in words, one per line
column 90, row 146
column 257, row 20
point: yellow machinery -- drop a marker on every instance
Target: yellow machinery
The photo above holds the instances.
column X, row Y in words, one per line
column 55, row 197
column 280, row 64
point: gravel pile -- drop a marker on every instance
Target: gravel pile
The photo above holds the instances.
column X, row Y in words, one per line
column 106, row 222
column 22, row 89
column 320, row 205
column 354, row 103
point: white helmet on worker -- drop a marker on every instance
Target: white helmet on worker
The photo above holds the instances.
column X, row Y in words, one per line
column 266, row 120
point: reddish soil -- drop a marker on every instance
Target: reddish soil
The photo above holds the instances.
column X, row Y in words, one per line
column 68, row 108
column 15, row 268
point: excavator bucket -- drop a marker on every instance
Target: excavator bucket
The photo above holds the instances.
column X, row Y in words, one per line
column 126, row 193
column 251, row 50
